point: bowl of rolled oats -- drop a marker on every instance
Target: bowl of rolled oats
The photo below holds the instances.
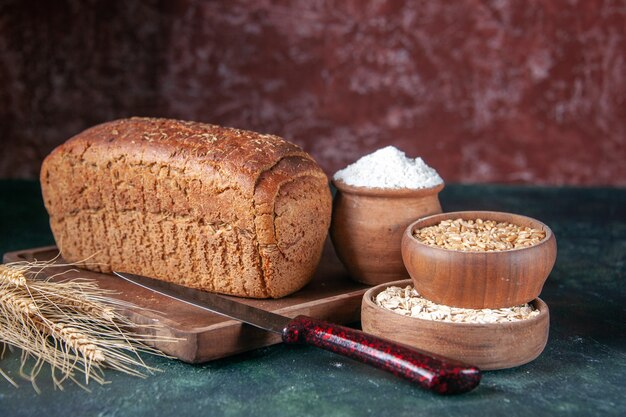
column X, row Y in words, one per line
column 490, row 338
column 478, row 259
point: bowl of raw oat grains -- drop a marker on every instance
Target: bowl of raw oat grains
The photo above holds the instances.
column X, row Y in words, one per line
column 478, row 259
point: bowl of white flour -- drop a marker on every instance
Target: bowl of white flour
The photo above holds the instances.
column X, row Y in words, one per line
column 377, row 197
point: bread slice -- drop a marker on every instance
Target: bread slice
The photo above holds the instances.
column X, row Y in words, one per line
column 213, row 208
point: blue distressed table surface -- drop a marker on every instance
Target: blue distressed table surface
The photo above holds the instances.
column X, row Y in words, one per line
column 581, row 372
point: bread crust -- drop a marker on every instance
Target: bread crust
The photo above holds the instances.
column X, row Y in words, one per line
column 214, row 208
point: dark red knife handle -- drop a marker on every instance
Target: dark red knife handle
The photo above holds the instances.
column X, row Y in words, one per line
column 434, row 373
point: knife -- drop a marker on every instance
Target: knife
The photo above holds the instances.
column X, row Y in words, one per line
column 428, row 371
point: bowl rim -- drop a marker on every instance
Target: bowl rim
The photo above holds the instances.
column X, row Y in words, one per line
column 537, row 303
column 386, row 192
column 452, row 214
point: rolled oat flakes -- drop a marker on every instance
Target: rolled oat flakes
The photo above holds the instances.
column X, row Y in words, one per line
column 407, row 302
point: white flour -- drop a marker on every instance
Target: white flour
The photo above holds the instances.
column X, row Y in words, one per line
column 389, row 168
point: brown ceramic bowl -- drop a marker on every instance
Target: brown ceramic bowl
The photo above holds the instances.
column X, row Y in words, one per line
column 367, row 227
column 479, row 279
column 488, row 346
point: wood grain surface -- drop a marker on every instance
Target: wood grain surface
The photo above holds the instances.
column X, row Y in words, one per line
column 367, row 227
column 479, row 279
column 203, row 336
column 486, row 345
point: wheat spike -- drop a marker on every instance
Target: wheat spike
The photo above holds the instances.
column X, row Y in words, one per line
column 12, row 276
column 72, row 337
column 90, row 308
column 16, row 303
column 73, row 326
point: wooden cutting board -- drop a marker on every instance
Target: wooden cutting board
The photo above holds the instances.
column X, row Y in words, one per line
column 331, row 295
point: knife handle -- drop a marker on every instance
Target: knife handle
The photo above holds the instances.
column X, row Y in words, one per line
column 431, row 372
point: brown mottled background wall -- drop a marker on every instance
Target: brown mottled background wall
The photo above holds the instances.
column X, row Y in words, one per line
column 485, row 91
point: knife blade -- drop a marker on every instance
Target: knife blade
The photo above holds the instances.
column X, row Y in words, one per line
column 428, row 371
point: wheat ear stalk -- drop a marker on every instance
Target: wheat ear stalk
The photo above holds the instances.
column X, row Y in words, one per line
column 14, row 276
column 73, row 326
column 75, row 339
